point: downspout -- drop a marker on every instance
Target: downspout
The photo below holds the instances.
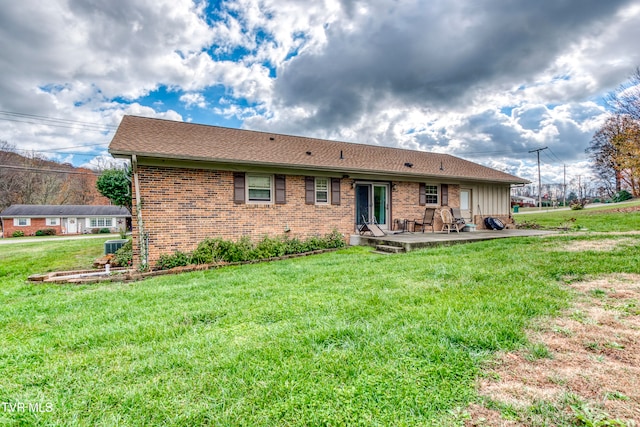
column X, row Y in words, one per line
column 142, row 241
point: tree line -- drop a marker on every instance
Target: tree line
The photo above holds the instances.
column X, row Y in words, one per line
column 29, row 178
column 614, row 149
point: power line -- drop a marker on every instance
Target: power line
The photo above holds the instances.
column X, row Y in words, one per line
column 30, row 168
column 57, row 151
column 54, row 121
column 554, row 155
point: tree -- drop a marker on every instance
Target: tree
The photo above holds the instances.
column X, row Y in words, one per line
column 615, row 147
column 115, row 184
column 604, row 150
column 626, row 98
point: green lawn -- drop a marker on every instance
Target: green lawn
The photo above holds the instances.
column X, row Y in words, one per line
column 602, row 218
column 343, row 338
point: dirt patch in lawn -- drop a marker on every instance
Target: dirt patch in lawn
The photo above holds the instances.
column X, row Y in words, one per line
column 597, row 245
column 581, row 369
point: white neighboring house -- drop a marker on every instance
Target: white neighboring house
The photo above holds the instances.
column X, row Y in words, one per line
column 64, row 219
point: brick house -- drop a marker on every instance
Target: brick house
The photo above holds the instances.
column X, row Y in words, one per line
column 64, row 219
column 196, row 181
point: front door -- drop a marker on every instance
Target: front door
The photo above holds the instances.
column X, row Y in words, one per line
column 465, row 204
column 372, row 203
column 72, row 225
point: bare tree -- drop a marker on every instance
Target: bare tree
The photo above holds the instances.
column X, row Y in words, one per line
column 626, row 98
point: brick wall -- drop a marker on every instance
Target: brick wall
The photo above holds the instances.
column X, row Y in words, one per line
column 405, row 202
column 181, row 207
column 30, row 230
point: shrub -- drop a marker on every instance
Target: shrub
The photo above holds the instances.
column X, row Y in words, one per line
column 207, row 252
column 124, row 256
column 270, row 247
column 578, row 204
column 621, row 196
column 18, row 233
column 215, row 249
column 177, row 259
column 104, row 231
column 46, row 232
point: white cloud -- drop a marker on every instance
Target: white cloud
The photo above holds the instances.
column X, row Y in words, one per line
column 193, row 100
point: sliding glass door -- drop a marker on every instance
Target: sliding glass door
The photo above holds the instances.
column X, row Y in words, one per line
column 372, row 203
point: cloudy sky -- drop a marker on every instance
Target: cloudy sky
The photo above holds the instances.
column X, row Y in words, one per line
column 486, row 80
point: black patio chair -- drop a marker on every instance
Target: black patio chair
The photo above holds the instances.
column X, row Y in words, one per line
column 427, row 220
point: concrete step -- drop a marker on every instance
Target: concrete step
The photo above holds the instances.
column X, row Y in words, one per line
column 389, row 249
column 381, row 253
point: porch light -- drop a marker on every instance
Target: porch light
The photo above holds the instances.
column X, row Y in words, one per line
column 394, row 187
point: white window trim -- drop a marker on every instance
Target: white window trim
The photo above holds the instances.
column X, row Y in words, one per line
column 49, row 224
column 16, row 222
column 96, row 219
column 247, row 188
column 315, row 191
column 427, row 194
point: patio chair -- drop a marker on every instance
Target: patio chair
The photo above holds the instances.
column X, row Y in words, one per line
column 457, row 217
column 371, row 227
column 427, row 220
column 448, row 221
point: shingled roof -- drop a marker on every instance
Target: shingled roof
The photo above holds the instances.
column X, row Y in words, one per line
column 165, row 139
column 83, row 211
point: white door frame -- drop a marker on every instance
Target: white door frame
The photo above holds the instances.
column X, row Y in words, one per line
column 72, row 225
column 466, row 204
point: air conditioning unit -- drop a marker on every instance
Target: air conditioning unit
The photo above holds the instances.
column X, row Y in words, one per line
column 111, row 246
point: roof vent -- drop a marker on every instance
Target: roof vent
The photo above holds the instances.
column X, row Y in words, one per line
column 409, row 165
column 271, row 138
column 308, row 153
column 341, row 156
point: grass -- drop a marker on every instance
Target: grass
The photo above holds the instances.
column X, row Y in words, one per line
column 343, row 338
column 603, row 218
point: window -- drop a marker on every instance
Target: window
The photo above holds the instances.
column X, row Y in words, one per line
column 53, row 221
column 259, row 188
column 100, row 222
column 322, row 190
column 21, row 222
column 431, row 193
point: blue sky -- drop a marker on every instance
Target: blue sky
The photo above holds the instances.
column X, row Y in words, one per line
column 486, row 80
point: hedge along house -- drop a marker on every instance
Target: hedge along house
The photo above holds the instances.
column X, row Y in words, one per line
column 195, row 181
column 63, row 219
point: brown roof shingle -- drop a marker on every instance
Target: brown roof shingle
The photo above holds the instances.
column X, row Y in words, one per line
column 165, row 139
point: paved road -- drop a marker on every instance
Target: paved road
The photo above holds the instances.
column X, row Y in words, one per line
column 14, row 240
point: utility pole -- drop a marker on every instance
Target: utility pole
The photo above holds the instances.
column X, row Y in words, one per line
column 564, row 187
column 539, row 179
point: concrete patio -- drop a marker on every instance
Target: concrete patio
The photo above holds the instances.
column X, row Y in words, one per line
column 408, row 241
